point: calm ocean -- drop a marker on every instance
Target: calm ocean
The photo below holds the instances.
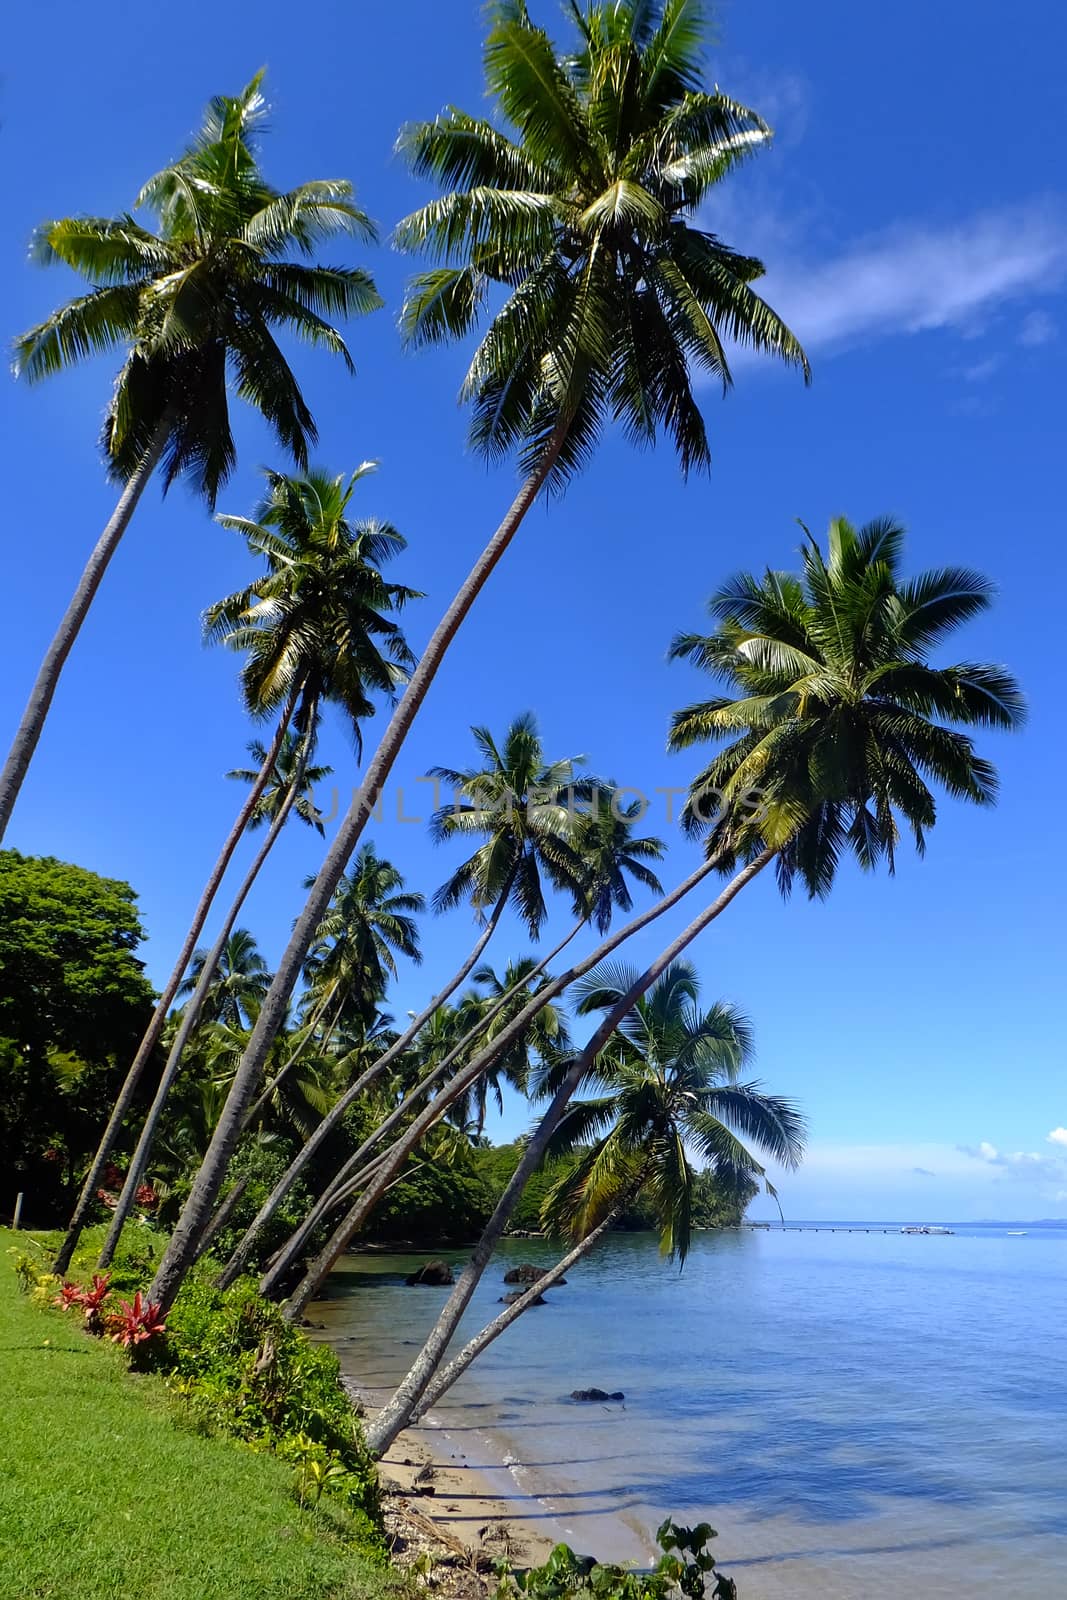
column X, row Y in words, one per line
column 859, row 1415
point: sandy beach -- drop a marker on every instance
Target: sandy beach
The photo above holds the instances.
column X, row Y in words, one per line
column 435, row 1501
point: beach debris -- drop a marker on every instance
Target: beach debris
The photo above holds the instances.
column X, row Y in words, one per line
column 528, row 1273
column 518, row 1294
column 597, row 1394
column 437, row 1273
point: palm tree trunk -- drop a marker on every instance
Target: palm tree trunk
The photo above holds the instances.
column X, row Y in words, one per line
column 344, row 1183
column 178, row 1256
column 191, row 1014
column 33, row 718
column 222, row 1215
column 110, row 1135
column 395, row 1415
column 338, row 1242
column 492, row 1331
column 236, row 1264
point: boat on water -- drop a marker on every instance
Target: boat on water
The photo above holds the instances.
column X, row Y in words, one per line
column 940, row 1232
column 1016, row 1233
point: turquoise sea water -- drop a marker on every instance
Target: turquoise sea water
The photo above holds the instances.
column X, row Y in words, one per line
column 860, row 1415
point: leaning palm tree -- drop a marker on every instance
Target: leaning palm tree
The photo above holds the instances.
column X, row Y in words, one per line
column 599, row 851
column 482, row 1014
column 282, row 770
column 522, row 807
column 578, row 205
column 317, row 628
column 667, row 1083
column 194, row 305
column 837, row 719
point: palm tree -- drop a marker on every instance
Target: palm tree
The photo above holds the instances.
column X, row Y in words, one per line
column 482, row 1015
column 832, row 722
column 594, row 851
column 370, row 917
column 241, row 979
column 610, row 853
column 835, row 713
column 581, row 212
column 667, row 1081
column 321, row 616
column 192, row 304
column 523, row 807
column 282, row 770
column 316, row 628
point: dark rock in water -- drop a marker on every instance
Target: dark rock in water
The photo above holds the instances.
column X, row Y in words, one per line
column 528, row 1273
column 319, row 1326
column 597, row 1394
column 517, row 1294
column 433, row 1272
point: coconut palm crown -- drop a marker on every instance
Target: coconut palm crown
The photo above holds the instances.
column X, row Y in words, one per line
column 319, row 619
column 289, row 768
column 586, row 208
column 201, row 298
column 525, row 810
column 668, row 1079
column 837, row 723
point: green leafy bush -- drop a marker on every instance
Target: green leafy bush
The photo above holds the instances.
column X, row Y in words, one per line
column 686, row 1567
column 238, row 1367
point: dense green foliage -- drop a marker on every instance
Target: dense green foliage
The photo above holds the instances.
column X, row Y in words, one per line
column 73, row 1003
column 686, row 1567
column 103, row 1494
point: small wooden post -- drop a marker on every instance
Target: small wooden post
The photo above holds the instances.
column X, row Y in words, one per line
column 17, row 1218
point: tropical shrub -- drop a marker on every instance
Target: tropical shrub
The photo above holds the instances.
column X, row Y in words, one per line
column 686, row 1567
column 136, row 1322
column 262, row 1165
column 237, row 1367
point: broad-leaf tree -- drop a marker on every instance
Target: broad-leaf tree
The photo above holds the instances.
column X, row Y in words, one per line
column 194, row 297
column 578, row 206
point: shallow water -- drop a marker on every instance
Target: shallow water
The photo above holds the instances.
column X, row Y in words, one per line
column 858, row 1414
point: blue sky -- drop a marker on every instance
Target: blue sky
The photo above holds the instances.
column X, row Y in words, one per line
column 913, row 217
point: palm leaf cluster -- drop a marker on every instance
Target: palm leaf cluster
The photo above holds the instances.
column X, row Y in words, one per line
column 668, row 1083
column 837, row 725
column 579, row 224
column 319, row 620
column 202, row 297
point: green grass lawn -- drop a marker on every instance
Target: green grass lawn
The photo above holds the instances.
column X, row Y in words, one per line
column 103, row 1495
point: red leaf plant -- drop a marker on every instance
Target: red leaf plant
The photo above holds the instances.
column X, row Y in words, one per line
column 93, row 1300
column 135, row 1324
column 146, row 1196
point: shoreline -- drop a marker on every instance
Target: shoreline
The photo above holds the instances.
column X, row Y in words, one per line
column 430, row 1493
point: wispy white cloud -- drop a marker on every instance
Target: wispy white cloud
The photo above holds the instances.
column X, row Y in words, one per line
column 1057, row 1136
column 916, row 277
column 981, row 371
